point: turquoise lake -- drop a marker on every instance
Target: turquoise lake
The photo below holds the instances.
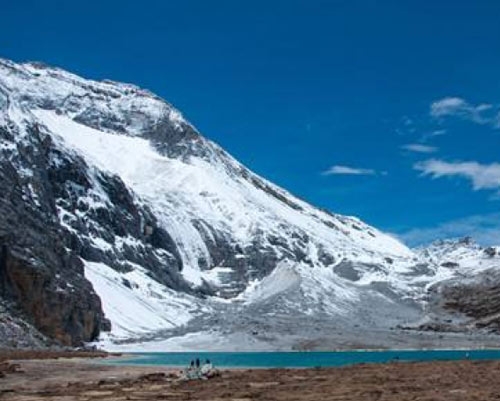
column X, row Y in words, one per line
column 303, row 359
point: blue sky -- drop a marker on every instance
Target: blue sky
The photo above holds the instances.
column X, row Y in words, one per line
column 385, row 110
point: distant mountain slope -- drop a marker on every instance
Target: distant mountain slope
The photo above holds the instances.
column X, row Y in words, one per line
column 467, row 297
column 120, row 217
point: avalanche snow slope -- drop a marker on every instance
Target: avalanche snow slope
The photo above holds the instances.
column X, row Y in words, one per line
column 245, row 259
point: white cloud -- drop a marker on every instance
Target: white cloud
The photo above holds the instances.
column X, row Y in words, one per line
column 431, row 134
column 485, row 229
column 484, row 113
column 482, row 176
column 346, row 170
column 448, row 106
column 419, row 148
column 437, row 132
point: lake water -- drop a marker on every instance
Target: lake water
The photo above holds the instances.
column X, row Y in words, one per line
column 303, row 359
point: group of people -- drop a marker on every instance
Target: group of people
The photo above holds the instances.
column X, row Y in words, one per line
column 195, row 364
column 197, row 370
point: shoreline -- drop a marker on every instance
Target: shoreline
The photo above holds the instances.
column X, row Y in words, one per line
column 294, row 351
column 70, row 379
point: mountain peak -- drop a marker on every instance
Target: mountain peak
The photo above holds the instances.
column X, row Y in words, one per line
column 161, row 231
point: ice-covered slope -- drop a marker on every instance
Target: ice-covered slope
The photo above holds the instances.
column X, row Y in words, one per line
column 176, row 236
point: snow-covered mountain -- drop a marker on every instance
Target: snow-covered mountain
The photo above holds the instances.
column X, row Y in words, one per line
column 124, row 223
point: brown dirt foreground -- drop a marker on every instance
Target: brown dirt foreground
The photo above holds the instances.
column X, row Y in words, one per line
column 78, row 379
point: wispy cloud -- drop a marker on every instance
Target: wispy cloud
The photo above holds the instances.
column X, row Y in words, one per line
column 482, row 176
column 484, row 113
column 485, row 229
column 431, row 134
column 346, row 170
column 419, row 148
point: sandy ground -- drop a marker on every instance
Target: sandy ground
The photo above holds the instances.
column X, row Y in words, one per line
column 84, row 379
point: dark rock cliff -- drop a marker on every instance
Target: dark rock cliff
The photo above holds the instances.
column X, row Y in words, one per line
column 38, row 273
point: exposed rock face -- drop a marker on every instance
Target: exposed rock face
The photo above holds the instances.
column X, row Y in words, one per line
column 102, row 207
column 16, row 332
column 477, row 298
column 37, row 270
column 71, row 317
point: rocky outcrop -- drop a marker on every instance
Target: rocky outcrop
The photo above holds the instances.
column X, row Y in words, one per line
column 15, row 332
column 69, row 313
column 478, row 299
column 104, row 222
column 39, row 275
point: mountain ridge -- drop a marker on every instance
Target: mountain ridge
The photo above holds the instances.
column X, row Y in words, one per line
column 161, row 224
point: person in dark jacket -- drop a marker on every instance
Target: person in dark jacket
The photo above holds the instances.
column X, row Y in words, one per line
column 197, row 362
